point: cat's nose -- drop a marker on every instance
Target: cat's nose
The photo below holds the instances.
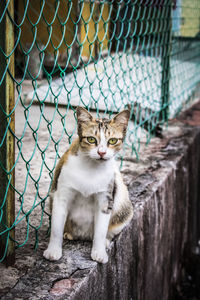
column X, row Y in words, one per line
column 101, row 153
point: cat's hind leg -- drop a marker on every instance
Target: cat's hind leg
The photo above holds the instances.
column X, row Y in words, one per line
column 68, row 231
column 68, row 236
column 119, row 220
column 122, row 212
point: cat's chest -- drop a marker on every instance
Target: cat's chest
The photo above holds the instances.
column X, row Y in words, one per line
column 85, row 177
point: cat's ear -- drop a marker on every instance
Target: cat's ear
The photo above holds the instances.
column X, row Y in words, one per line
column 83, row 115
column 122, row 117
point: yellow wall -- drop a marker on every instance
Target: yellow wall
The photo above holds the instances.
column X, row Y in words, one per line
column 43, row 30
column 86, row 25
column 191, row 17
column 94, row 28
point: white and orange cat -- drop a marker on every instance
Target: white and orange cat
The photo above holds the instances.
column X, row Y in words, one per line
column 89, row 198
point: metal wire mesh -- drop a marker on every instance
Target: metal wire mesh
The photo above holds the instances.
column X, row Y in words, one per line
column 103, row 55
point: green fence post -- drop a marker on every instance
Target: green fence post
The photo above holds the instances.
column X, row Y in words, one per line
column 165, row 61
column 7, row 142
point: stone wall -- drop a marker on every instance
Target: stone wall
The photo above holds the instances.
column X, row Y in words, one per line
column 145, row 260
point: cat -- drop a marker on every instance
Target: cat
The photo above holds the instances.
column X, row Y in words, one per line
column 88, row 196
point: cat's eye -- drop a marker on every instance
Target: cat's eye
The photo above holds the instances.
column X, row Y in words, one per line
column 91, row 140
column 112, row 141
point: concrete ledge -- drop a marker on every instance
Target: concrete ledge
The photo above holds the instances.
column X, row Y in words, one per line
column 145, row 260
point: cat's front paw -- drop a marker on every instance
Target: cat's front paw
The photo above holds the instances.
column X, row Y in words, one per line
column 99, row 255
column 53, row 253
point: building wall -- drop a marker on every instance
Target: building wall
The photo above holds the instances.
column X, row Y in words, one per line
column 190, row 18
column 57, row 33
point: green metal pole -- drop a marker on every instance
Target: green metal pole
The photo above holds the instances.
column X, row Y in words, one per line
column 7, row 142
column 165, row 62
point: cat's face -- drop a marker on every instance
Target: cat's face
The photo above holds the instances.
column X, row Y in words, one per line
column 101, row 139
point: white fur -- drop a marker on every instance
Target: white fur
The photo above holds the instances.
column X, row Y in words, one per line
column 81, row 193
column 85, row 175
column 102, row 147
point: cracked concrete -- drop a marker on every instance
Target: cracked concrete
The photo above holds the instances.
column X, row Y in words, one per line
column 144, row 260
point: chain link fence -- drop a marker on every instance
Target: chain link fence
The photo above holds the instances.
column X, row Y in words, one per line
column 103, row 55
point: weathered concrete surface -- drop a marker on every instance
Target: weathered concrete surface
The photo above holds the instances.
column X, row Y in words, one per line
column 145, row 260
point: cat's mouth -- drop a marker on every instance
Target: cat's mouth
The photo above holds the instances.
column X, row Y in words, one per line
column 101, row 159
